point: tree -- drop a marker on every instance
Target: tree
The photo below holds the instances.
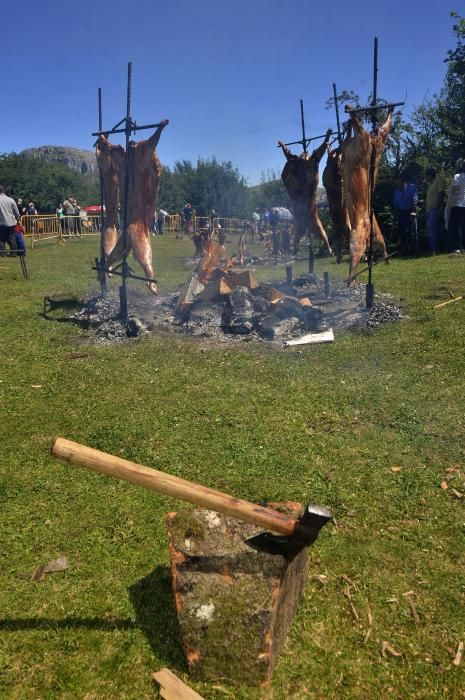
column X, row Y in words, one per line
column 45, row 184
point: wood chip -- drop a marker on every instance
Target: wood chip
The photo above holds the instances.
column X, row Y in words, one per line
column 458, row 656
column 386, row 647
column 370, row 625
column 171, row 688
column 456, row 493
column 354, row 612
column 396, row 469
column 60, row 564
column 444, row 485
column 413, row 611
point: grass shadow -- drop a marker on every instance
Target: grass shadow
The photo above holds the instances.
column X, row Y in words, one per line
column 54, row 309
column 155, row 611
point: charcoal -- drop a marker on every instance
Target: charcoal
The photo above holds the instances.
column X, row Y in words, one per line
column 205, row 318
column 238, row 315
column 274, row 328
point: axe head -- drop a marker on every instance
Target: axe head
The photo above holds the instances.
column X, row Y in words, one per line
column 307, row 528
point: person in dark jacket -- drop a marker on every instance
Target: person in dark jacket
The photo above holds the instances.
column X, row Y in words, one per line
column 405, row 206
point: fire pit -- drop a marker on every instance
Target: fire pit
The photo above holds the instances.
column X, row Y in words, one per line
column 231, row 305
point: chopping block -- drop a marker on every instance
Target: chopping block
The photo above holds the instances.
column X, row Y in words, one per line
column 235, row 605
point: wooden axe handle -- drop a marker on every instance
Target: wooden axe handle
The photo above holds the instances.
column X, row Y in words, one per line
column 172, row 486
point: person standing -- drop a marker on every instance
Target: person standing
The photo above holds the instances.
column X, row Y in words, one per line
column 68, row 211
column 434, row 202
column 454, row 215
column 9, row 216
column 21, row 207
column 31, row 210
column 61, row 218
column 187, row 216
column 405, row 206
column 256, row 224
column 161, row 218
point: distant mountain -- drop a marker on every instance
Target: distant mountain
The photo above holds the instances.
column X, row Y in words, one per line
column 75, row 158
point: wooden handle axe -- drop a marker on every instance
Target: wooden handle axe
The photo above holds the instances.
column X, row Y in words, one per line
column 295, row 533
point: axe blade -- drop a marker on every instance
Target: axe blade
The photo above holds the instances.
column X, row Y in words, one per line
column 307, row 529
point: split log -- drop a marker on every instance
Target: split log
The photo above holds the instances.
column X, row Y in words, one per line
column 171, row 688
column 188, row 294
column 242, row 278
column 215, row 289
column 235, row 605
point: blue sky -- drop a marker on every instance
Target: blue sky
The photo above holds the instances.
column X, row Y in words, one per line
column 228, row 75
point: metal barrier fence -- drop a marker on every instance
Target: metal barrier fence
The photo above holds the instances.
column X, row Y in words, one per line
column 227, row 225
column 42, row 227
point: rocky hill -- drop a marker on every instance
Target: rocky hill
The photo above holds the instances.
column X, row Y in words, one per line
column 75, row 158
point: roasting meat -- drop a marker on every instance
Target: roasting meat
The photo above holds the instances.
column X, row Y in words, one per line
column 110, row 159
column 332, row 181
column 143, row 187
column 356, row 159
column 300, row 178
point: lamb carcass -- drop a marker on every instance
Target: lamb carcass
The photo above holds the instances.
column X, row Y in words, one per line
column 332, row 181
column 300, row 178
column 356, row 160
column 145, row 172
column 110, row 159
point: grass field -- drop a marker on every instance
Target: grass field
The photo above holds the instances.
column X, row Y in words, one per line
column 371, row 426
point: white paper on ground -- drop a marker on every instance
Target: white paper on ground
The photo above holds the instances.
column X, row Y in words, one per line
column 325, row 337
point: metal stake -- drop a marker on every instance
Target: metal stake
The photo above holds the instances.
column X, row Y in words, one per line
column 370, row 290
column 101, row 275
column 338, row 121
column 123, row 299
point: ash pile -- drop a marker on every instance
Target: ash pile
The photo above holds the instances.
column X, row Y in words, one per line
column 225, row 302
column 232, row 302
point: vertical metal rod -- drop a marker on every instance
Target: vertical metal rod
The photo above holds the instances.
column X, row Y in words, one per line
column 102, row 274
column 304, row 139
column 338, row 121
column 310, row 254
column 124, row 268
column 289, row 274
column 370, row 290
column 326, row 283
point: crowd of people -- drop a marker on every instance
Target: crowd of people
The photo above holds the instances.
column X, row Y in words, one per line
column 445, row 216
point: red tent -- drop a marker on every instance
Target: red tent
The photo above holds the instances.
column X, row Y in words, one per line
column 93, row 209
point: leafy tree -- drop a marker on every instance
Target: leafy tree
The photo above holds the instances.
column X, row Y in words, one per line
column 45, row 184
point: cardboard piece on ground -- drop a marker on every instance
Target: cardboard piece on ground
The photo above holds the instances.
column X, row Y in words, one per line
column 305, row 301
column 325, row 337
column 171, row 688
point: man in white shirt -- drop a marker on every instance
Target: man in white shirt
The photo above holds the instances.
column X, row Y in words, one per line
column 455, row 210
column 162, row 214
column 9, row 215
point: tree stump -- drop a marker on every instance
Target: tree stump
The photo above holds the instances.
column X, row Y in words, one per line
column 235, row 605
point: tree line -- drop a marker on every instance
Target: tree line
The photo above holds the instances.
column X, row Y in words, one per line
column 434, row 136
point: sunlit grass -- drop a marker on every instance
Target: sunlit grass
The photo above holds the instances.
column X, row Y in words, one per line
column 369, row 425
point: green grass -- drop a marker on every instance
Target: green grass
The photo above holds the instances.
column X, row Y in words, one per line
column 324, row 424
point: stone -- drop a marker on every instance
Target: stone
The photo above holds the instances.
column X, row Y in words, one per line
column 235, row 605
